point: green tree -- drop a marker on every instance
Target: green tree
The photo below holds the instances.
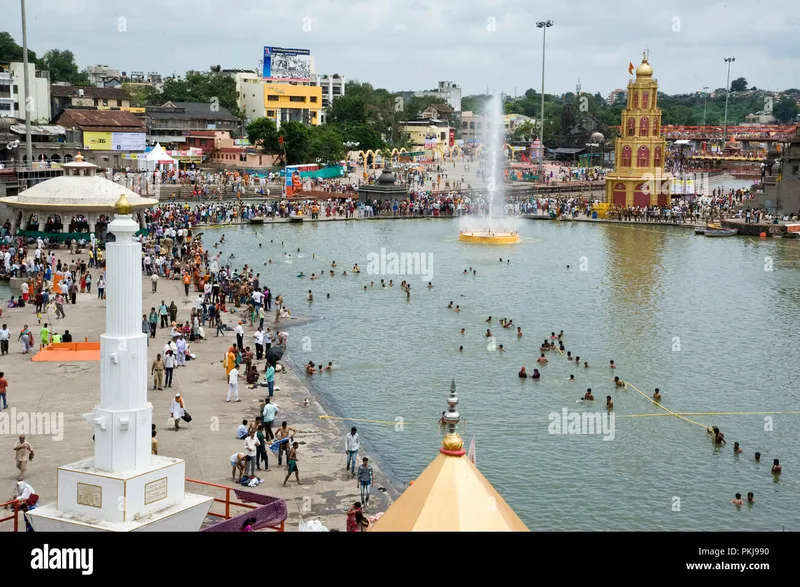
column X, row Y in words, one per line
column 212, row 87
column 264, row 132
column 525, row 131
column 326, row 144
column 62, row 67
column 785, row 110
column 347, row 109
column 140, row 94
column 739, row 85
column 10, row 51
column 296, row 141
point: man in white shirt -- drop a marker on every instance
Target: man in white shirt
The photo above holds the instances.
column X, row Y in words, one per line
column 258, row 297
column 4, row 336
column 251, row 444
column 233, row 387
column 351, row 446
column 240, row 336
column 259, row 336
column 154, row 280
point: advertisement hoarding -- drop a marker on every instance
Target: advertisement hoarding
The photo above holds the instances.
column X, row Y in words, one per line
column 282, row 64
column 452, row 136
column 114, row 141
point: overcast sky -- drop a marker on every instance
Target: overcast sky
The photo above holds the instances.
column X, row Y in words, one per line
column 413, row 44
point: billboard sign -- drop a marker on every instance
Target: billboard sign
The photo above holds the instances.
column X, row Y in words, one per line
column 114, row 141
column 128, row 141
column 282, row 64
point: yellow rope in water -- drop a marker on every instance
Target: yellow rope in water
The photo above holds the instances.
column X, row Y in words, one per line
column 705, row 414
column 651, row 400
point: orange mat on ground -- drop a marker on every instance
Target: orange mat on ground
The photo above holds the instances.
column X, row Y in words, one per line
column 65, row 352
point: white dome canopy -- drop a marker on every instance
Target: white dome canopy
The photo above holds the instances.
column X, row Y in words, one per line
column 78, row 188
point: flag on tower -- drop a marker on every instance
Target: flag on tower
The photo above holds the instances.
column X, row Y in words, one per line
column 630, row 68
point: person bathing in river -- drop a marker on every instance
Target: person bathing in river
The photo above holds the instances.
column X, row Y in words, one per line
column 619, row 382
column 588, row 395
column 523, row 374
column 542, row 360
column 536, row 374
column 657, row 395
column 519, row 332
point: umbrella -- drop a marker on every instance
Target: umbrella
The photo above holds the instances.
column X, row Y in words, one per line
column 274, row 355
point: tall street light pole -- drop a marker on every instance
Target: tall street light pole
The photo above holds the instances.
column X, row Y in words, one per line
column 544, row 25
column 28, row 145
column 728, row 60
column 705, row 103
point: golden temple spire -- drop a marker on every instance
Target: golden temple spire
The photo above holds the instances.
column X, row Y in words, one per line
column 78, row 158
column 123, row 206
column 452, row 445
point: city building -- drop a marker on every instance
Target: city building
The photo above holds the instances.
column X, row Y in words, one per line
column 451, row 494
column 70, row 97
column 100, row 75
column 618, row 94
column 332, row 86
column 638, row 178
column 427, row 134
column 437, row 111
column 758, row 119
column 782, row 179
column 447, row 91
column 12, row 92
column 288, row 102
column 169, row 123
column 106, row 135
column 475, row 127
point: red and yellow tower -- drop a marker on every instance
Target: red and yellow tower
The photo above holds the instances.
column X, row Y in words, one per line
column 638, row 178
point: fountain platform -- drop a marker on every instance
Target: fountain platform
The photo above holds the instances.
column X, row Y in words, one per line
column 486, row 237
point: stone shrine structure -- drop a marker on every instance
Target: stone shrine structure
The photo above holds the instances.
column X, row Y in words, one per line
column 638, row 178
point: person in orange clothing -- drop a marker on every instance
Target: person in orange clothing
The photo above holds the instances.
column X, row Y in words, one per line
column 230, row 361
column 187, row 280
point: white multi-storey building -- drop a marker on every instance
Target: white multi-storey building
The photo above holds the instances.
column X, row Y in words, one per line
column 12, row 92
column 332, row 87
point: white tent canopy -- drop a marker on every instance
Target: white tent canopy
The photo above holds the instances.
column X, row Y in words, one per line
column 158, row 158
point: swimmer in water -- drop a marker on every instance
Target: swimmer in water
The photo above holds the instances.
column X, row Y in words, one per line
column 450, row 306
column 463, row 332
column 313, row 276
column 542, row 360
column 372, row 284
column 430, row 285
column 270, row 261
column 758, row 457
column 751, row 499
column 508, row 324
column 611, row 364
column 329, row 366
column 474, row 273
column 458, row 308
column 569, row 355
column 329, row 296
column 489, row 320
column 465, row 272
column 301, row 274
column 333, row 264
column 501, row 259
column 571, row 379
column 719, row 437
column 657, row 395
column 586, row 364
column 619, row 382
column 523, row 374
column 310, row 296
column 560, row 335
column 259, row 245
column 561, row 347
column 536, row 374
column 609, row 403
column 460, row 349
column 544, row 348
column 501, row 349
column 567, row 266
column 519, row 332
column 488, row 333
column 232, row 256
column 588, row 395
column 737, row 500
column 577, row 360
column 552, row 336
column 344, row 273
column 391, row 283
column 776, row 467
column 332, row 273
column 737, row 449
column 356, row 269
column 365, row 288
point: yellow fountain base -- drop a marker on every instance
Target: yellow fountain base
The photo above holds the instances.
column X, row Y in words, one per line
column 489, row 237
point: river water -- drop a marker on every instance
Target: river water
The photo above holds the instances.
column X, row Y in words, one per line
column 708, row 321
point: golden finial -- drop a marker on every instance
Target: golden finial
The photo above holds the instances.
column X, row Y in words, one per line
column 452, row 445
column 123, row 206
column 78, row 158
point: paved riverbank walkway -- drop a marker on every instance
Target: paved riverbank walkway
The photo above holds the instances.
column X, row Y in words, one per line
column 72, row 389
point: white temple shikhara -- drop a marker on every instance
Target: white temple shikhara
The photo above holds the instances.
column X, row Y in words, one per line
column 124, row 487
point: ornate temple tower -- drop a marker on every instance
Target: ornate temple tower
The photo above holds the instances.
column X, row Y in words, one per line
column 638, row 178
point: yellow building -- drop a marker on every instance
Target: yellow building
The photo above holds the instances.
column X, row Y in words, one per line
column 288, row 102
column 638, row 178
column 451, row 494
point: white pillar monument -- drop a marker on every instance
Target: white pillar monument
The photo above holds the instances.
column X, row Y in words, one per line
column 124, row 488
